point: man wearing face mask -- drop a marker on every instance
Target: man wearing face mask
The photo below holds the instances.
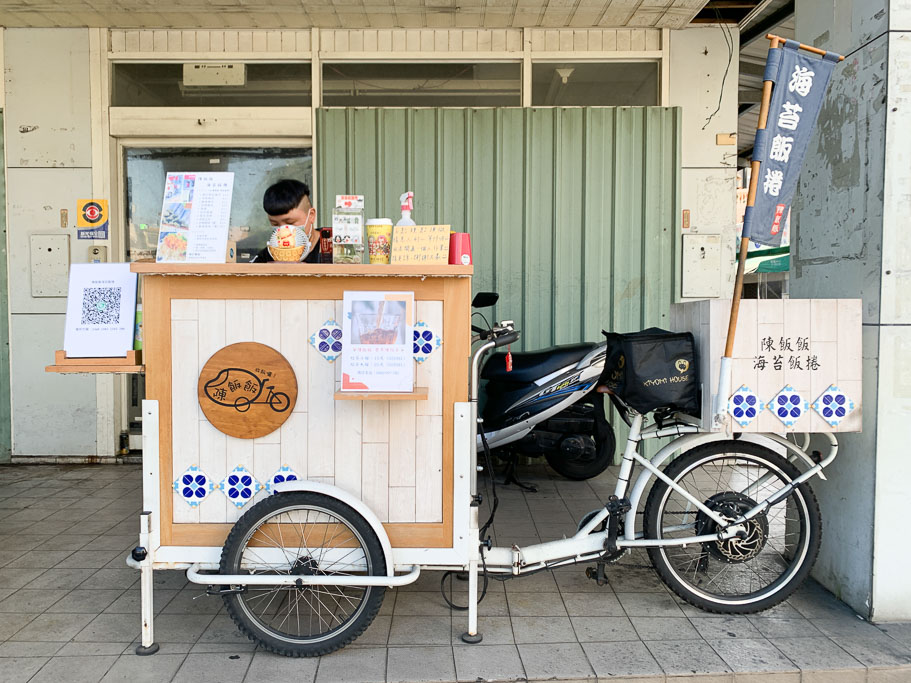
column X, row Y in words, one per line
column 287, row 202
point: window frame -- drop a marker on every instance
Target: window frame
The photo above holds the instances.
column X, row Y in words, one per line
column 427, row 60
column 661, row 95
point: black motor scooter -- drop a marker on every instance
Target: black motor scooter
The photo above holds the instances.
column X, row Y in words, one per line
column 546, row 404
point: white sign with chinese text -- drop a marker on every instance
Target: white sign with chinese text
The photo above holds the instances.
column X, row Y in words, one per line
column 792, row 358
column 100, row 310
column 378, row 328
column 195, row 216
column 349, row 201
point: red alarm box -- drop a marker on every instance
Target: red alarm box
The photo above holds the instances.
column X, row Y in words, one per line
column 460, row 249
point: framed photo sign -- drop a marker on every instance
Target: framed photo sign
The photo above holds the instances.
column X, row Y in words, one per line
column 378, row 328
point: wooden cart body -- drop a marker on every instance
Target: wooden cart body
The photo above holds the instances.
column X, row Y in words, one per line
column 405, row 457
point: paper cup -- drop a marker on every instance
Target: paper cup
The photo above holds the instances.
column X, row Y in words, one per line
column 379, row 240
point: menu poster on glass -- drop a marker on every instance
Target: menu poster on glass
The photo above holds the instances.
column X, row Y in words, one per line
column 378, row 328
column 100, row 310
column 195, row 214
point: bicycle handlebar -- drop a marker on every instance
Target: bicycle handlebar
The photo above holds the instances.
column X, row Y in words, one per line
column 510, row 337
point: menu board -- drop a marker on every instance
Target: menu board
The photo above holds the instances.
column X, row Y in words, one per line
column 378, row 328
column 100, row 310
column 195, row 214
column 420, row 244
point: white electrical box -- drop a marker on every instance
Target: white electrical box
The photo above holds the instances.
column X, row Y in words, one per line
column 203, row 74
column 701, row 266
column 49, row 260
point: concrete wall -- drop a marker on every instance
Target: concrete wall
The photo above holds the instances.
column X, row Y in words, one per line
column 698, row 57
column 48, row 138
column 891, row 590
column 851, row 203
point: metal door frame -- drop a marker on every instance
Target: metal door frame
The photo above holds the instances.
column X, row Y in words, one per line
column 6, row 441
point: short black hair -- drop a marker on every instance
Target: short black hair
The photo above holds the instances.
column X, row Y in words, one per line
column 284, row 196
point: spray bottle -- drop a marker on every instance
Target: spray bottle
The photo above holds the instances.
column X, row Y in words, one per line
column 407, row 201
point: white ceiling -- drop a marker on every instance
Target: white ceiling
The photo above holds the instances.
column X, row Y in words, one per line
column 348, row 13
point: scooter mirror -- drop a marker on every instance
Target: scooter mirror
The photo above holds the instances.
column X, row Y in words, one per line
column 485, row 299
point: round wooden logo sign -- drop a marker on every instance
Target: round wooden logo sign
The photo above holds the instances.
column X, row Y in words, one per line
column 247, row 390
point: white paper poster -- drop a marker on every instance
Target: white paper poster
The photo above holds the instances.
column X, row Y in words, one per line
column 195, row 214
column 378, row 328
column 100, row 310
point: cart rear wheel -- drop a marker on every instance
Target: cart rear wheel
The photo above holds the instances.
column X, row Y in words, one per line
column 306, row 534
column 744, row 574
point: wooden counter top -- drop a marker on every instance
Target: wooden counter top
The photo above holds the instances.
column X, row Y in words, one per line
column 300, row 269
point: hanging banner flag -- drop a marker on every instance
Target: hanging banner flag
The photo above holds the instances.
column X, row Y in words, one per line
column 800, row 87
column 92, row 214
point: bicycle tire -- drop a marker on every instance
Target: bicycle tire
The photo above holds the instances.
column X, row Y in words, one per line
column 701, row 574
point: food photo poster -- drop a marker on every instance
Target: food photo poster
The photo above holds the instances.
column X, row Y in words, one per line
column 378, row 328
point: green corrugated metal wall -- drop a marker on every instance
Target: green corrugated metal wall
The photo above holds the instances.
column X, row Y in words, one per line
column 572, row 211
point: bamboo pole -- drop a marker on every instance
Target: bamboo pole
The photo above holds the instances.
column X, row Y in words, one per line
column 807, row 48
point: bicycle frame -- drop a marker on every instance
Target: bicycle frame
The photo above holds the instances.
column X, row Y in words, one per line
column 587, row 544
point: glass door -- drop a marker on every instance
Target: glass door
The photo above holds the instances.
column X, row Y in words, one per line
column 144, row 171
column 254, row 170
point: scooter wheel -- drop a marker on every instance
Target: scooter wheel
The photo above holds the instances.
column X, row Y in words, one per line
column 586, row 467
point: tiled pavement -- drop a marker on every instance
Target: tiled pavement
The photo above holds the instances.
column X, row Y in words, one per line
column 69, row 610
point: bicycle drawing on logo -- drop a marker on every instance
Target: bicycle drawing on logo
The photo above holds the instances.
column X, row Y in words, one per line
column 223, row 390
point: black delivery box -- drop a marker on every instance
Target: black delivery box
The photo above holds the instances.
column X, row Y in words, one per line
column 653, row 369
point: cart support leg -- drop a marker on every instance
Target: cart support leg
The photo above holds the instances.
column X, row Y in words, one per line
column 472, row 635
column 146, row 584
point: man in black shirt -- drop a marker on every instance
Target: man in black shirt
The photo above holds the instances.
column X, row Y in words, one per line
column 287, row 202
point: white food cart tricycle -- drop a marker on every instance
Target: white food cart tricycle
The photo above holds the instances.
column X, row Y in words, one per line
column 300, row 504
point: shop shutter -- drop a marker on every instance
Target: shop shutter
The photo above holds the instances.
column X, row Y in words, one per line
column 573, row 212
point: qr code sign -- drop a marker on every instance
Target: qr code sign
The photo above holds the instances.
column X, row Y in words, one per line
column 101, row 305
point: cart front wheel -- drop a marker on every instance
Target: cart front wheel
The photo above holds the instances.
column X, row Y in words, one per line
column 305, row 534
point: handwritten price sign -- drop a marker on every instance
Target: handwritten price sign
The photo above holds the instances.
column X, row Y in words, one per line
column 420, row 244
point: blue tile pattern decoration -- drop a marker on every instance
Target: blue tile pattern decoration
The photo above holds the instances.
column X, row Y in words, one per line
column 744, row 405
column 284, row 473
column 426, row 341
column 788, row 406
column 193, row 486
column 328, row 340
column 833, row 405
column 240, row 486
